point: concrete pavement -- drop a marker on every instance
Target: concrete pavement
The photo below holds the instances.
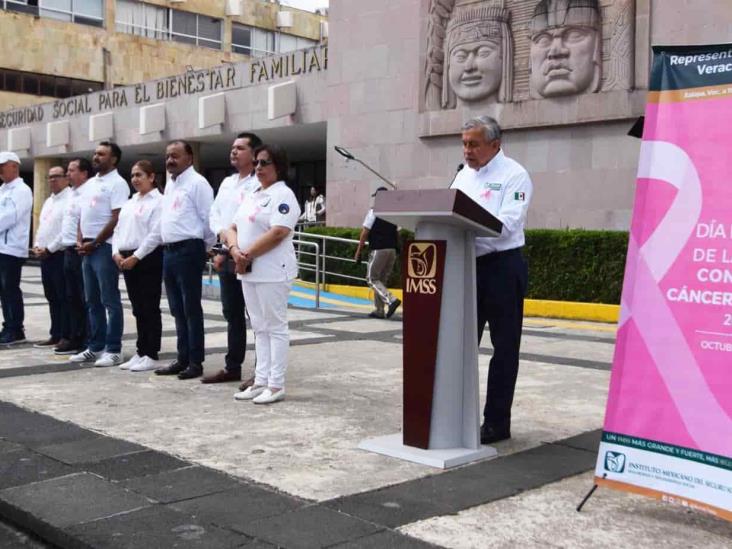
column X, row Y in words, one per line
column 301, row 456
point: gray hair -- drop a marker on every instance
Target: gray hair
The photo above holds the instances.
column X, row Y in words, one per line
column 491, row 129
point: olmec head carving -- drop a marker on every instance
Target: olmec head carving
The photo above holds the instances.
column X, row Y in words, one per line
column 565, row 48
column 478, row 54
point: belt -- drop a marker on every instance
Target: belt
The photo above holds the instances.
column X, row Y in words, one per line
column 126, row 253
column 85, row 240
column 494, row 256
column 180, row 243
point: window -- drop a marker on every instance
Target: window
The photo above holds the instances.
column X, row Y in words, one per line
column 86, row 12
column 168, row 24
column 251, row 40
column 45, row 84
column 257, row 42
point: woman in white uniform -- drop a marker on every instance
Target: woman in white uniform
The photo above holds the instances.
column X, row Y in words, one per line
column 260, row 242
column 136, row 251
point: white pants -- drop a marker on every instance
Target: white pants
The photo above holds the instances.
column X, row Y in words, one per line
column 267, row 306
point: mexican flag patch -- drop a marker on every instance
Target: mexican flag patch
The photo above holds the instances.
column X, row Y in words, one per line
column 519, row 196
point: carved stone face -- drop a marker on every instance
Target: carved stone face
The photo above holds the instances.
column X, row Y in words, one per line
column 475, row 69
column 564, row 60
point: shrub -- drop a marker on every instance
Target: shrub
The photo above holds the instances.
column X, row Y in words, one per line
column 564, row 265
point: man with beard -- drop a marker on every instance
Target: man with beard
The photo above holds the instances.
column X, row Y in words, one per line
column 186, row 235
column 232, row 192
column 98, row 213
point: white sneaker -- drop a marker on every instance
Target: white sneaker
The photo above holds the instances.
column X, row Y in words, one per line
column 109, row 359
column 250, row 392
column 145, row 364
column 268, row 397
column 130, row 363
column 84, row 356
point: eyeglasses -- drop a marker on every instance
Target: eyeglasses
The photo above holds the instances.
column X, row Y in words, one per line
column 263, row 162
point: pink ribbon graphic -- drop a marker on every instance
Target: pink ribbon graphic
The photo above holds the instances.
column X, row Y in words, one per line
column 705, row 420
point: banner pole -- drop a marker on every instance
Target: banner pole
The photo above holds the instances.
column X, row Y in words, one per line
column 589, row 495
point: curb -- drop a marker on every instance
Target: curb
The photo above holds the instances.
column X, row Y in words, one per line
column 573, row 310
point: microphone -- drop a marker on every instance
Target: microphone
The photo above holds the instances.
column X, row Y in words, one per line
column 459, row 168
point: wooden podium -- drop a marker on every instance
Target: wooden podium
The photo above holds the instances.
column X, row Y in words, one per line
column 441, row 425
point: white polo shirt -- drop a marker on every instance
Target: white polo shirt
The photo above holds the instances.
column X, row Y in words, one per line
column 72, row 212
column 16, row 204
column 502, row 187
column 48, row 234
column 138, row 227
column 185, row 209
column 104, row 193
column 232, row 192
column 275, row 206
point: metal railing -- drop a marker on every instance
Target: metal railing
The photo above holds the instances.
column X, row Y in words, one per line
column 319, row 258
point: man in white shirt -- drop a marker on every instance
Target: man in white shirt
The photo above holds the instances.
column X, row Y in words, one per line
column 78, row 171
column 232, row 192
column 48, row 249
column 99, row 208
column 186, row 235
column 502, row 187
column 314, row 207
column 16, row 204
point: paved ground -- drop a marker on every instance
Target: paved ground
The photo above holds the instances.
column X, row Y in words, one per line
column 105, row 458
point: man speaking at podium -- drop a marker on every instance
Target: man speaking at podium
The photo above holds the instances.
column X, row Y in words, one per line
column 503, row 187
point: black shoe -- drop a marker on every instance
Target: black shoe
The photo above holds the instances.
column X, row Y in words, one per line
column 489, row 435
column 50, row 342
column 68, row 347
column 172, row 369
column 12, row 338
column 193, row 371
column 376, row 314
column 393, row 307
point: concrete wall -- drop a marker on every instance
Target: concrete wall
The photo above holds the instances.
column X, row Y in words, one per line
column 583, row 169
column 46, row 46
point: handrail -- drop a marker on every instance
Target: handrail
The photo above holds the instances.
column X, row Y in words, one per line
column 324, row 239
column 317, row 266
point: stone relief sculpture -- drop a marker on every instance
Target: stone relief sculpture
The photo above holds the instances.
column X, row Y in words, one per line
column 562, row 48
column 470, row 53
column 566, row 44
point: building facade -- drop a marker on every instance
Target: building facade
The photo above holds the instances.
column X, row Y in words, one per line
column 565, row 78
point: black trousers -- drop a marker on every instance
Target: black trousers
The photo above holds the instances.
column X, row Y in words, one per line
column 144, row 287
column 232, row 304
column 54, row 288
column 75, row 301
column 11, row 297
column 501, row 279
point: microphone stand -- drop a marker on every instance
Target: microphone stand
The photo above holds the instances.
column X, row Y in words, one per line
column 348, row 156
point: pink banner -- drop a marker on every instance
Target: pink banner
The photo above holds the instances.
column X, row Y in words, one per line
column 671, row 384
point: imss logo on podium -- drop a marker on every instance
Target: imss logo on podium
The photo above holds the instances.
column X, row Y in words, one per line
column 422, row 268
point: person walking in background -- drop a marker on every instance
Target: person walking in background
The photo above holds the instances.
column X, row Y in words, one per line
column 78, row 171
column 383, row 238
column 186, row 235
column 98, row 214
column 136, row 252
column 232, row 193
column 260, row 242
column 48, row 248
column 314, row 207
column 16, row 204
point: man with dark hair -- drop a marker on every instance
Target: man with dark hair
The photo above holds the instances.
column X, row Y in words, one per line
column 47, row 247
column 232, row 192
column 78, row 172
column 98, row 213
column 186, row 235
column 16, row 203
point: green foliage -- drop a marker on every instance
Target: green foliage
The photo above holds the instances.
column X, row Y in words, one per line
column 564, row 265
